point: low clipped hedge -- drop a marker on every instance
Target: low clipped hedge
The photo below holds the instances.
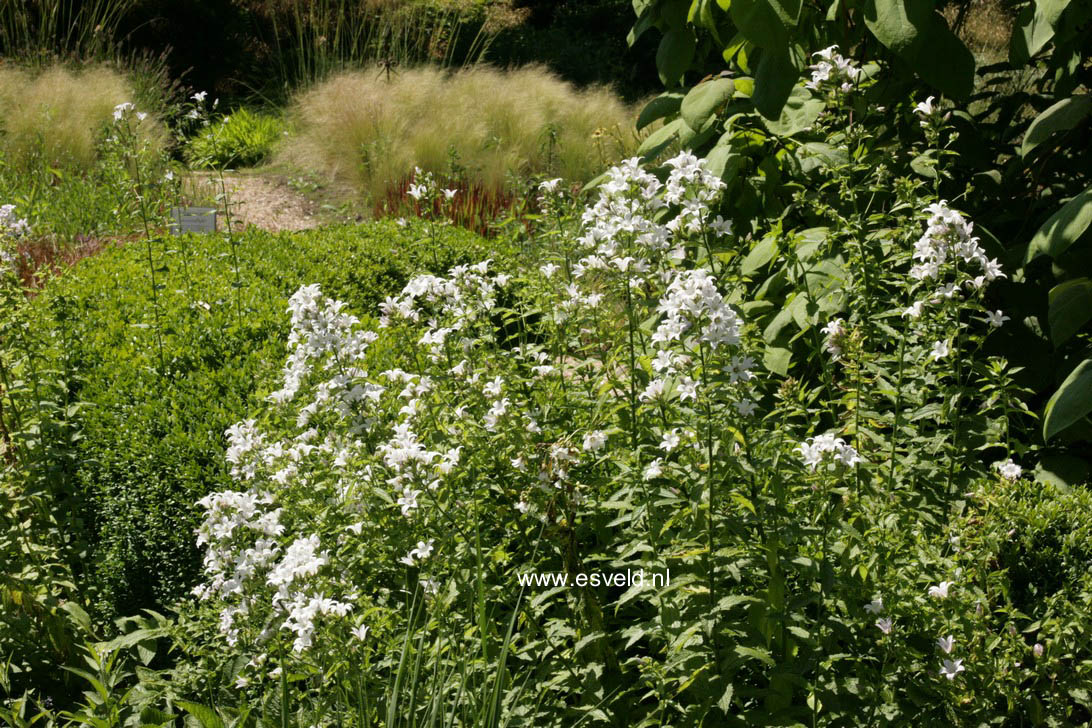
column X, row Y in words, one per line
column 152, row 431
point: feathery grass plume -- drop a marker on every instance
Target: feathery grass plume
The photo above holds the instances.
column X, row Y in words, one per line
column 59, row 114
column 359, row 128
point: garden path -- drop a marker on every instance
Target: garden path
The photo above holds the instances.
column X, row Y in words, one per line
column 266, row 202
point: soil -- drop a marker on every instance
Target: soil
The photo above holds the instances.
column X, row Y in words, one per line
column 267, row 202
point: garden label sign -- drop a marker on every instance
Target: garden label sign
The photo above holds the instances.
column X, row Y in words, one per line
column 193, row 220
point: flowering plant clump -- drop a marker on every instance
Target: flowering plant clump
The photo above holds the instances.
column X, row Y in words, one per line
column 603, row 404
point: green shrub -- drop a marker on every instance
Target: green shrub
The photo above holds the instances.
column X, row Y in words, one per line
column 152, row 440
column 365, row 130
column 242, row 139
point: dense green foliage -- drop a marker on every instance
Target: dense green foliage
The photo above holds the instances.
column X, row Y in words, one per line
column 1018, row 149
column 241, row 139
column 151, row 430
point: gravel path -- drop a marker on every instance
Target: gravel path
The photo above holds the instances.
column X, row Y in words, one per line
column 267, row 203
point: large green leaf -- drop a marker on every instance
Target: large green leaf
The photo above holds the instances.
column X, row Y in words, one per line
column 704, row 100
column 1034, row 29
column 798, row 114
column 1062, row 116
column 1070, row 309
column 775, row 78
column 1063, row 228
column 663, row 105
column 1071, row 403
column 658, row 140
column 915, row 32
column 675, row 54
column 764, row 22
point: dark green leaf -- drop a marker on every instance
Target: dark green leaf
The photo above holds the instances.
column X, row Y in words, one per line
column 1062, row 116
column 1063, row 228
column 1071, row 403
column 1070, row 309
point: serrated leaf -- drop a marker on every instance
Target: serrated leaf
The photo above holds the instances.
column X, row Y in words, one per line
column 207, row 717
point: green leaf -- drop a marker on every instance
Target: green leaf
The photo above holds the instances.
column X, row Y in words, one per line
column 1062, row 471
column 765, row 22
column 1063, row 228
column 1070, row 309
column 777, row 359
column 1062, row 116
column 206, row 716
column 1071, row 402
column 725, row 702
column 798, row 114
column 755, row 653
column 776, row 75
column 663, row 105
column 915, row 32
column 763, row 252
column 658, row 140
column 675, row 54
column 1035, row 28
column 704, row 100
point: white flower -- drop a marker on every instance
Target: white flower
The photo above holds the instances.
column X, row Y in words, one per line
column 940, row 591
column 594, row 441
column 951, row 668
column 408, row 501
column 885, row 624
column 745, row 407
column 199, row 97
column 450, row 194
column 670, row 440
column 549, row 269
column 523, row 506
column 654, row 469
column 946, row 644
column 925, row 108
column 740, row 369
column 549, row 185
column 1037, row 650
column 1008, row 470
column 940, row 350
column 835, row 331
column 814, row 449
column 875, row 606
column 424, row 549
column 360, row 632
column 417, row 192
column 914, row 310
column 121, row 110
column 995, row 319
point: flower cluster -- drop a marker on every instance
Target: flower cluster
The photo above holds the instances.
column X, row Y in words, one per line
column 830, row 449
column 11, row 227
column 946, row 244
column 832, row 70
